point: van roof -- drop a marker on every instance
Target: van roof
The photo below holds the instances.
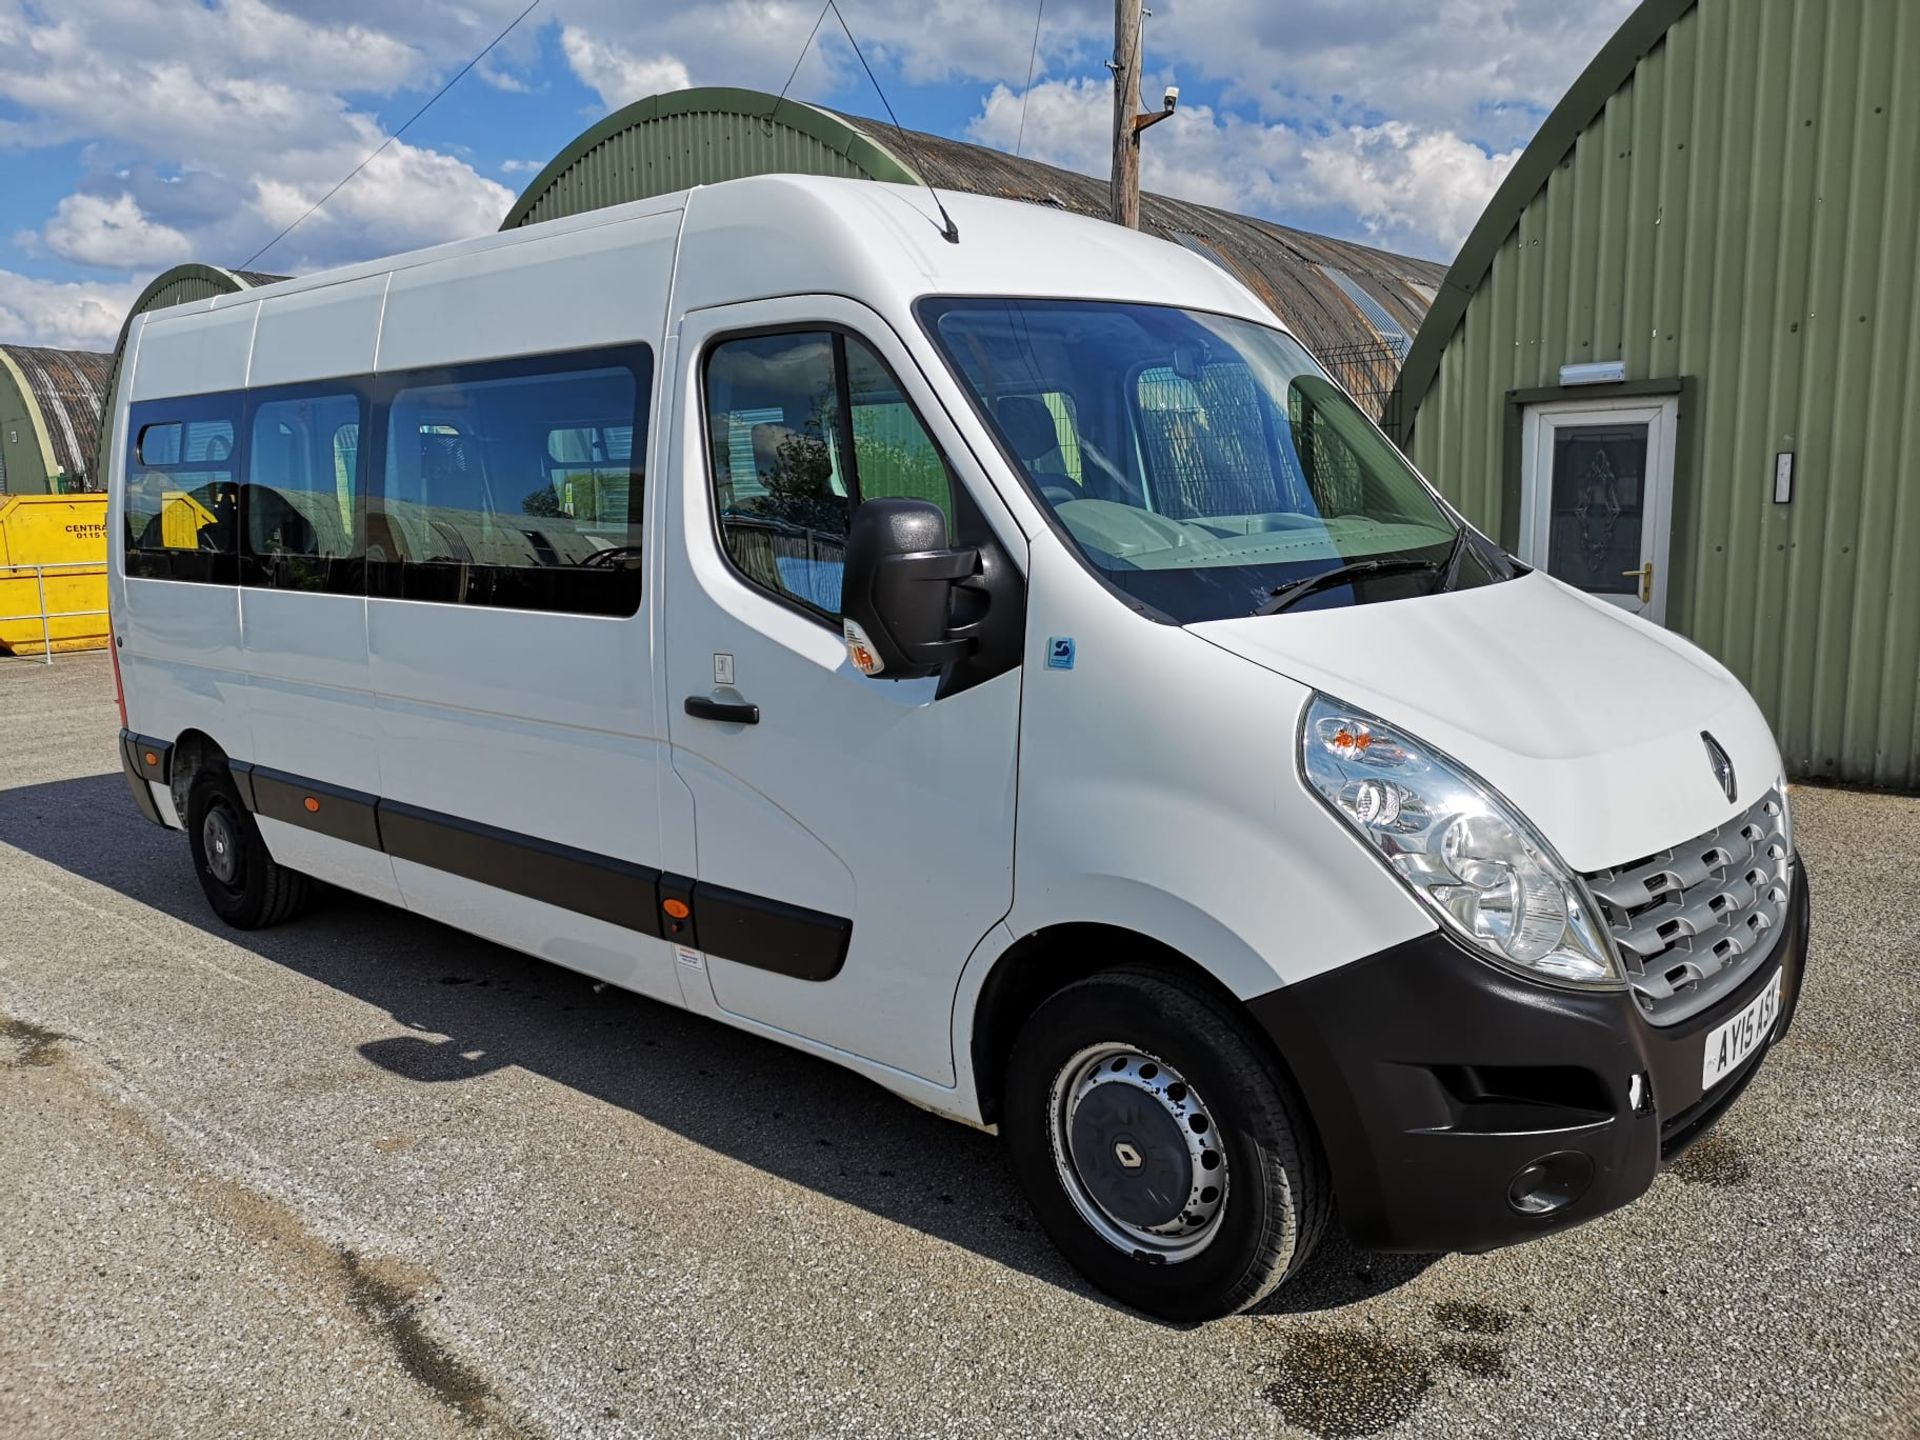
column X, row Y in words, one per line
column 767, row 235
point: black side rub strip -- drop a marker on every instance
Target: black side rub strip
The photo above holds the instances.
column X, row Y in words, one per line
column 787, row 939
column 326, row 809
column 616, row 891
column 731, row 924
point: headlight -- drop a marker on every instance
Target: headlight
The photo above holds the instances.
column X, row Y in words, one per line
column 1461, row 848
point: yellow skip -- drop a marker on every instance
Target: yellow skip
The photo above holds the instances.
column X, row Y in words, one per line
column 54, row 530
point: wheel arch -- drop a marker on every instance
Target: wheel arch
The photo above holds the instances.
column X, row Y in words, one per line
column 1044, row 962
column 193, row 751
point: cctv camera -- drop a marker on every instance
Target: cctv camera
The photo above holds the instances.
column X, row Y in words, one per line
column 1170, row 99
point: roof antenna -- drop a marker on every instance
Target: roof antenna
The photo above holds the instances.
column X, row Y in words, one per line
column 950, row 232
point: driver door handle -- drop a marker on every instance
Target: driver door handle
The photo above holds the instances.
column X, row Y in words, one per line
column 701, row 708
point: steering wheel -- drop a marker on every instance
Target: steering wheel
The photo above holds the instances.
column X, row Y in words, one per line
column 605, row 558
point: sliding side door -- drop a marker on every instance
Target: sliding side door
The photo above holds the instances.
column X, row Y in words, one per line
column 510, row 599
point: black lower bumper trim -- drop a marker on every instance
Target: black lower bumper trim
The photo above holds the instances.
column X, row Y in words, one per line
column 139, row 770
column 1436, row 1080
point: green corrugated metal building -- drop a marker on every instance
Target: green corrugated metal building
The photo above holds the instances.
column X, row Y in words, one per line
column 1719, row 222
column 49, row 418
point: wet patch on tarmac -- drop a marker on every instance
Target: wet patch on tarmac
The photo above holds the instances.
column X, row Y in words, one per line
column 1715, row 1159
column 38, row 1045
column 1481, row 1359
column 387, row 1296
column 1470, row 1317
column 1347, row 1382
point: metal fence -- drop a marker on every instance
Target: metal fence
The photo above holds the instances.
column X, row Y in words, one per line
column 46, row 617
column 1367, row 370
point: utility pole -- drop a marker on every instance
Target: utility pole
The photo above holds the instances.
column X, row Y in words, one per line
column 1128, row 120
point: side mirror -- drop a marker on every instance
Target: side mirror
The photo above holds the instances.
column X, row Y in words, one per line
column 897, row 590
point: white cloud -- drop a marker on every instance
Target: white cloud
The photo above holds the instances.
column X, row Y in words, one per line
column 114, row 234
column 209, row 128
column 1485, row 69
column 1407, row 188
column 74, row 315
column 619, row 76
column 1422, row 189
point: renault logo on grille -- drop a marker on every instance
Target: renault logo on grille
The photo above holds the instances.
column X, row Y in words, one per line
column 1722, row 766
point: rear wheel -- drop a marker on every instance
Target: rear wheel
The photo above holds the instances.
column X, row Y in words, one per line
column 242, row 882
column 1162, row 1149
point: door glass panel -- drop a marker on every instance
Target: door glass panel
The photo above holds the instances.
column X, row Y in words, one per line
column 892, row 451
column 1598, row 507
column 789, row 465
column 779, row 480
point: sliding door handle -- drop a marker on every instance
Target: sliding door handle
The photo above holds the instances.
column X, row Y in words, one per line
column 702, row 708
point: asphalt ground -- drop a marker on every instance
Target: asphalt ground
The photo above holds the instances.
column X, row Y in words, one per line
column 364, row 1175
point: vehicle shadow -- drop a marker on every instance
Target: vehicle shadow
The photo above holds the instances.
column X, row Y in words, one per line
column 475, row 1007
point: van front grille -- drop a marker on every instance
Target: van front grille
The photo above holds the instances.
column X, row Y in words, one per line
column 1692, row 922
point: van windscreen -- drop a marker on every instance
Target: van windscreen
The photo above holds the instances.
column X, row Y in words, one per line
column 1201, row 464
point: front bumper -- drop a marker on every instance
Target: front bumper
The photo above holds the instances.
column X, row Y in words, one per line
column 1435, row 1078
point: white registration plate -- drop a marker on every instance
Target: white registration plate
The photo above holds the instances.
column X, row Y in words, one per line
column 1729, row 1044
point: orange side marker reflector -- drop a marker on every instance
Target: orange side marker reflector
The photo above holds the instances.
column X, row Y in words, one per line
column 313, row 805
column 151, row 758
column 676, row 908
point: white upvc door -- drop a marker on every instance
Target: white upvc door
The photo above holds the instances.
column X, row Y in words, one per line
column 1596, row 504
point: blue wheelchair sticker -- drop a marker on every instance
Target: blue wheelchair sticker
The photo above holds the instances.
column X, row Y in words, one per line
column 1060, row 653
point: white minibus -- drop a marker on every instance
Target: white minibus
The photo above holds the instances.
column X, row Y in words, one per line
column 1003, row 664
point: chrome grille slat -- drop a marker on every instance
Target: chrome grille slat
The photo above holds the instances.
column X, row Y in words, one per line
column 1690, row 922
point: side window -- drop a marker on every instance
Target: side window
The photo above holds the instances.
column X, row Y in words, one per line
column 801, row 428
column 517, row 484
column 182, row 490
column 298, row 508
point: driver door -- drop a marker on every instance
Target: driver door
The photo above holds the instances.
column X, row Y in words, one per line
column 853, row 836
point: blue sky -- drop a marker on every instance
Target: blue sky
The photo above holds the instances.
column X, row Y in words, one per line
column 135, row 134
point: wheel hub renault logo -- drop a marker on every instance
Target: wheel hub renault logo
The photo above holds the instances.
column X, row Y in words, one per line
column 1128, row 1157
column 1722, row 766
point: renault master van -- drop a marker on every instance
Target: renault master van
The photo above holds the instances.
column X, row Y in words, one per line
column 1003, row 664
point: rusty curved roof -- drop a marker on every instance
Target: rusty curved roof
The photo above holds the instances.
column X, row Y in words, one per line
column 68, row 387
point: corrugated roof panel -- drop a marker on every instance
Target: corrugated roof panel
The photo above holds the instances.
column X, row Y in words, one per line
column 68, row 388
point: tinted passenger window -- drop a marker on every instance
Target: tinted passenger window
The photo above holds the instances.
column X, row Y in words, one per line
column 517, row 484
column 298, row 507
column 801, row 428
column 182, row 504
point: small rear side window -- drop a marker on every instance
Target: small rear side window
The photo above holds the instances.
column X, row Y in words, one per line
column 182, row 491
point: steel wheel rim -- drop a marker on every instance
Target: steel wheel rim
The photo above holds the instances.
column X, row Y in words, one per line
column 1161, row 1090
column 220, row 844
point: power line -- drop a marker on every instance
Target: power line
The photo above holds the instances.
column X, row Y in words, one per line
column 248, row 262
column 951, row 231
column 1026, row 93
column 804, row 49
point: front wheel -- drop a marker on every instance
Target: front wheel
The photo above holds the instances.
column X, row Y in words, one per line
column 1163, row 1151
column 245, row 886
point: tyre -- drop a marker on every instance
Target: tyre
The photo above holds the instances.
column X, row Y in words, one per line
column 243, row 884
column 1164, row 1152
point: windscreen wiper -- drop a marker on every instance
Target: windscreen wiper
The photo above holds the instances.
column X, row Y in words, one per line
column 1353, row 570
